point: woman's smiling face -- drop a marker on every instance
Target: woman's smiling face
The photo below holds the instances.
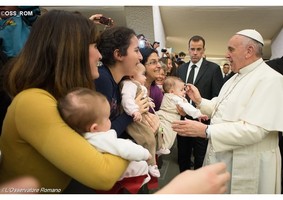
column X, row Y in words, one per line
column 152, row 67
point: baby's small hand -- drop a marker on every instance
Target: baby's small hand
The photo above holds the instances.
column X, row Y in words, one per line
column 203, row 118
column 137, row 116
column 152, row 104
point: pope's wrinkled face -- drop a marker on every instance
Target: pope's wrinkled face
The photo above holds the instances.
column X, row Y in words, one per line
column 236, row 52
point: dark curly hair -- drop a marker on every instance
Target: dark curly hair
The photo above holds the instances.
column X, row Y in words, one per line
column 117, row 37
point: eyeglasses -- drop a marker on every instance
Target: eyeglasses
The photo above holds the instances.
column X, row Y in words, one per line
column 153, row 62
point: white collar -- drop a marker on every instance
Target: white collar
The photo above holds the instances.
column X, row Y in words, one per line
column 198, row 64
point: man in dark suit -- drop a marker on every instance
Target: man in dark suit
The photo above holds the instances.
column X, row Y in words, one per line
column 226, row 69
column 228, row 77
column 276, row 64
column 207, row 77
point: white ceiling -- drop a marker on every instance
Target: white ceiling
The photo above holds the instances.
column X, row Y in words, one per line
column 216, row 24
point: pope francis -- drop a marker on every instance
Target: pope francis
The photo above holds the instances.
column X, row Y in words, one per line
column 245, row 119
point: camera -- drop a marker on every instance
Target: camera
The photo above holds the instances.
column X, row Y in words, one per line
column 105, row 21
column 163, row 50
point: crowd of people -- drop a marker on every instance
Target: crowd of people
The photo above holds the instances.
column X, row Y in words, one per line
column 50, row 150
column 91, row 109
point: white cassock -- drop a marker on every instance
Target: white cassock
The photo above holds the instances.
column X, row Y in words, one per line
column 245, row 120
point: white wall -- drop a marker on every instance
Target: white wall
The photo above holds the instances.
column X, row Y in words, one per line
column 146, row 20
column 277, row 46
column 140, row 18
column 159, row 34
